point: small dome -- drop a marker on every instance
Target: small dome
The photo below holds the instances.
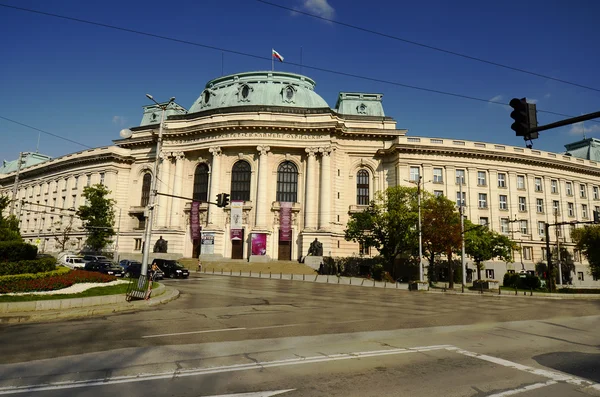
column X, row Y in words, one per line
column 259, row 89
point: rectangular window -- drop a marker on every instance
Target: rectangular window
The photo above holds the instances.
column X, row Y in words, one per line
column 438, row 193
column 460, row 177
column 539, row 205
column 538, row 184
column 74, row 204
column 75, row 182
column 489, row 274
column 554, row 186
column 89, row 180
column 481, row 178
column 522, row 204
column 569, row 188
column 438, row 177
column 464, row 199
column 138, row 244
column 414, row 174
column 53, row 204
column 584, row 211
column 596, row 194
column 55, row 183
column 556, row 207
column 527, row 253
column 501, row 180
column 520, row 182
column 582, row 191
column 482, row 200
column 580, row 276
column 543, row 253
column 484, row 221
column 523, row 226
column 541, row 229
column 364, row 249
column 576, row 255
column 571, row 209
column 504, row 226
column 503, row 202
column 102, row 178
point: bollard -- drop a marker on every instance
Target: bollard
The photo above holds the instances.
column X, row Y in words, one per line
column 269, row 274
column 213, row 270
column 499, row 291
column 384, row 283
column 304, row 277
column 280, row 275
column 396, row 285
column 350, row 280
column 317, row 276
column 515, row 290
column 373, row 282
column 230, row 272
column 524, row 293
column 240, row 272
column 221, row 270
column 250, row 273
column 260, row 274
column 481, row 288
column 292, row 276
column 339, row 279
column 328, row 279
column 362, row 282
column 531, row 292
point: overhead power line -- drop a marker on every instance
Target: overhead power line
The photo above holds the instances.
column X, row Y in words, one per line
column 458, row 54
column 45, row 132
column 220, row 49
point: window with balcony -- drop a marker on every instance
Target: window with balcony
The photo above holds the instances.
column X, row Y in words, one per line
column 438, row 176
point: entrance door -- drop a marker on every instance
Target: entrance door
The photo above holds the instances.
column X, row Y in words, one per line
column 196, row 248
column 237, row 248
column 285, row 251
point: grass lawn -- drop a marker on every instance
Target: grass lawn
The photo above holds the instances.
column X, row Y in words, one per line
column 96, row 291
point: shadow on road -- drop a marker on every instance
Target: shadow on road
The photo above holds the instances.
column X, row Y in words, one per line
column 584, row 365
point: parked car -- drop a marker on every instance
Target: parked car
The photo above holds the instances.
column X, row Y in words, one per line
column 95, row 258
column 73, row 261
column 171, row 268
column 134, row 269
column 105, row 267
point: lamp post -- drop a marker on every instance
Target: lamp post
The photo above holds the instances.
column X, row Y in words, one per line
column 152, row 199
column 462, row 234
column 418, row 183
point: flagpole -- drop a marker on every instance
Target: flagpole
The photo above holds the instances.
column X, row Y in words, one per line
column 272, row 61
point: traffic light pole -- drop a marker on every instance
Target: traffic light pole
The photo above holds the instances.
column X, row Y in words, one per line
column 561, row 123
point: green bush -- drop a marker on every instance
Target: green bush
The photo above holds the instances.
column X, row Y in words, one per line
column 515, row 280
column 33, row 276
column 12, row 251
column 39, row 265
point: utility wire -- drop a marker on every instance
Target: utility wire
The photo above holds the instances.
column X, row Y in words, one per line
column 458, row 54
column 45, row 132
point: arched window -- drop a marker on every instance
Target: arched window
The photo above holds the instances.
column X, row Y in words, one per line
column 146, row 182
column 362, row 187
column 240, row 181
column 287, row 182
column 201, row 183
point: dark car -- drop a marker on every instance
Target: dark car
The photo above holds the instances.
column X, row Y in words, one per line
column 172, row 269
column 95, row 258
column 104, row 267
column 134, row 269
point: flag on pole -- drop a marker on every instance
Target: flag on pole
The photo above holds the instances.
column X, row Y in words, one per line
column 276, row 55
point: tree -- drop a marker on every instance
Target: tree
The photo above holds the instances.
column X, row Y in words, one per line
column 62, row 234
column 483, row 244
column 441, row 231
column 9, row 226
column 98, row 216
column 388, row 224
column 587, row 239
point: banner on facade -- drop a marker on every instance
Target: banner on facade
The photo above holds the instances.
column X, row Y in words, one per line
column 194, row 220
column 259, row 244
column 285, row 222
column 208, row 243
column 237, row 234
column 236, row 214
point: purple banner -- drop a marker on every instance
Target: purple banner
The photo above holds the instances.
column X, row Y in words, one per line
column 285, row 222
column 259, row 244
column 194, row 221
column 237, row 234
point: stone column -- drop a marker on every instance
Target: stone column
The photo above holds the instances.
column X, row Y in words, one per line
column 215, row 175
column 325, row 188
column 162, row 186
column 261, row 191
column 310, row 207
column 178, row 204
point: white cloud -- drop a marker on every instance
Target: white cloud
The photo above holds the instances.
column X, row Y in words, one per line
column 548, row 95
column 497, row 98
column 119, row 120
column 532, row 100
column 318, row 7
column 580, row 128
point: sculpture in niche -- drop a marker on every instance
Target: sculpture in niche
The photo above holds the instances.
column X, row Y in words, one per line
column 161, row 245
column 316, row 248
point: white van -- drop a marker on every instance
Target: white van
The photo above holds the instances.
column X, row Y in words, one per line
column 73, row 261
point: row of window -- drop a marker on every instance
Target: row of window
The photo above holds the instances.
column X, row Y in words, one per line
column 57, row 185
column 438, row 177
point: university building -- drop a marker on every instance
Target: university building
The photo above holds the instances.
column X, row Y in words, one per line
column 296, row 169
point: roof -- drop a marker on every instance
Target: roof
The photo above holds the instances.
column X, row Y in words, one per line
column 152, row 112
column 29, row 159
column 267, row 88
column 359, row 104
column 588, row 149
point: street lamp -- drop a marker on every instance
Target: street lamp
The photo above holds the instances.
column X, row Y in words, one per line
column 418, row 183
column 152, row 199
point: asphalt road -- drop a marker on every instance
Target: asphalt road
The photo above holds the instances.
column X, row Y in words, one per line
column 228, row 335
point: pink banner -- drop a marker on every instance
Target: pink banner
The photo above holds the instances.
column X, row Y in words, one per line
column 259, row 244
column 194, row 221
column 237, row 234
column 285, row 222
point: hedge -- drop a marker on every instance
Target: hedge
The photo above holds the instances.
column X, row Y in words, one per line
column 515, row 280
column 39, row 265
column 13, row 251
column 50, row 281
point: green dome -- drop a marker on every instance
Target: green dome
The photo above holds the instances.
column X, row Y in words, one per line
column 259, row 89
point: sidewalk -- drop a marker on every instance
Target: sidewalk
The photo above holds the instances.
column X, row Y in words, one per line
column 60, row 309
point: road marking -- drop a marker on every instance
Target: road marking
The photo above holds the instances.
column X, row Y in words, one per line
column 194, row 332
column 257, row 394
column 211, row 370
column 553, row 375
column 523, row 389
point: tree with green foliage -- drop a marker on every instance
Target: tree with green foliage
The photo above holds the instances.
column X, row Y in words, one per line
column 587, row 239
column 483, row 244
column 98, row 216
column 9, row 226
column 441, row 231
column 389, row 224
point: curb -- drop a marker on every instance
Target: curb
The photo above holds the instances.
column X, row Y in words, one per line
column 38, row 315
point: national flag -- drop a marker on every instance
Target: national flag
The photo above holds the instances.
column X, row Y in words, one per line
column 277, row 56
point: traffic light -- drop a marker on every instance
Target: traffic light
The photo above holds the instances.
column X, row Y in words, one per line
column 596, row 217
column 225, row 199
column 525, row 116
column 222, row 200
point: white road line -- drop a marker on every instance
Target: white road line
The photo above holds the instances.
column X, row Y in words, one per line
column 554, row 375
column 257, row 394
column 207, row 371
column 523, row 389
column 194, row 332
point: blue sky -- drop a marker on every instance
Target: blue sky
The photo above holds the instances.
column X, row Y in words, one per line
column 86, row 82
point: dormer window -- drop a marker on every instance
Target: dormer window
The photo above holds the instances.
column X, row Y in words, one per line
column 206, row 96
column 361, row 109
column 243, row 93
column 288, row 94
